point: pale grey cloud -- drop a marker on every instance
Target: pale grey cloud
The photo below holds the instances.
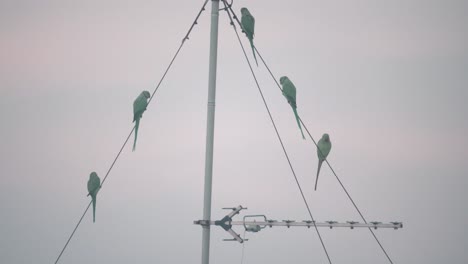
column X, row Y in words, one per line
column 387, row 81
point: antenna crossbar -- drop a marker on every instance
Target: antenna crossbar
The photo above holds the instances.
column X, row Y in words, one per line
column 255, row 226
column 306, row 223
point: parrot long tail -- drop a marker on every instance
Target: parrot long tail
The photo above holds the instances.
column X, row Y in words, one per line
column 318, row 172
column 94, row 208
column 253, row 50
column 137, row 124
column 298, row 122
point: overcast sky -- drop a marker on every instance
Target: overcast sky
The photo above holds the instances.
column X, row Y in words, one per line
column 386, row 79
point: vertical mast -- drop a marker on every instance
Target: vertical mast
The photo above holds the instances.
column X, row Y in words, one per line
column 210, row 131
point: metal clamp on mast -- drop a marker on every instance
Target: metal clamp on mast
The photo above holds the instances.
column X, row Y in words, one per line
column 225, row 223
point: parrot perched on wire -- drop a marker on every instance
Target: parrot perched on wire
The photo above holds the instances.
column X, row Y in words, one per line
column 323, row 149
column 94, row 184
column 139, row 107
column 248, row 25
column 289, row 91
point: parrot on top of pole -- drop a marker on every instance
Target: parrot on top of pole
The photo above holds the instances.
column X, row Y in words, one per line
column 139, row 107
column 323, row 149
column 248, row 25
column 94, row 184
column 289, row 91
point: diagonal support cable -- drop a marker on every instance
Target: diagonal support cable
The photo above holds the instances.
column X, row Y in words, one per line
column 277, row 133
column 330, row 166
column 315, row 143
column 349, row 196
column 131, row 132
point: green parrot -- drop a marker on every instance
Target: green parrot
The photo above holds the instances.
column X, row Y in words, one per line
column 248, row 25
column 323, row 149
column 139, row 107
column 94, row 184
column 289, row 91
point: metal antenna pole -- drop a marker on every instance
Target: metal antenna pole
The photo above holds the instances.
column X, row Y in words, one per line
column 210, row 131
